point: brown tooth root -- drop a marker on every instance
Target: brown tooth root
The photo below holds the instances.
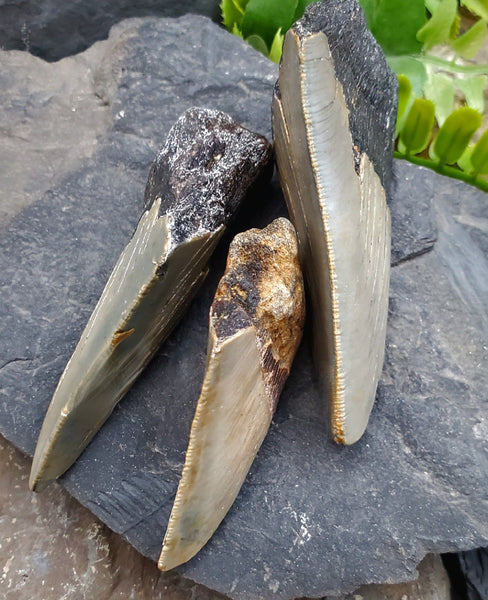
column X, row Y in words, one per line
column 256, row 323
column 194, row 187
column 337, row 203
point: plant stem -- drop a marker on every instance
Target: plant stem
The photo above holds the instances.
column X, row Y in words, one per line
column 452, row 66
column 444, row 170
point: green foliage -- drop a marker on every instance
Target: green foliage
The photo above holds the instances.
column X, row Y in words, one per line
column 408, row 15
column 479, row 156
column 232, row 13
column 470, row 43
column 478, row 7
column 404, row 101
column 416, row 132
column 265, row 18
column 276, row 46
column 418, row 55
column 454, row 135
column 262, row 23
column 424, row 45
column 438, row 28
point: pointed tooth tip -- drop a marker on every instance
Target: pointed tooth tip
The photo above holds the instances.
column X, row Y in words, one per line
column 37, row 483
column 172, row 556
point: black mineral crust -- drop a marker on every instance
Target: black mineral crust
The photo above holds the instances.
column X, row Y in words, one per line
column 370, row 87
column 204, row 170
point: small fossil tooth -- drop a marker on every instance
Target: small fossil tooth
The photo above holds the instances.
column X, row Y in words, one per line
column 256, row 323
column 196, row 184
column 328, row 163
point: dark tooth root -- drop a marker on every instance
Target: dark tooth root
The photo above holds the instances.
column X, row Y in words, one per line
column 199, row 178
column 204, row 170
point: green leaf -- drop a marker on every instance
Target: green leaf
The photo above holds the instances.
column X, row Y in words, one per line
column 440, row 89
column 394, row 24
column 417, row 130
column 456, row 25
column 404, row 96
column 438, row 28
column 277, row 47
column 300, row 9
column 431, row 5
column 265, row 17
column 478, row 7
column 412, row 68
column 473, row 89
column 464, row 161
column 236, row 30
column 479, row 156
column 232, row 12
column 404, row 93
column 454, row 135
column 257, row 42
column 470, row 43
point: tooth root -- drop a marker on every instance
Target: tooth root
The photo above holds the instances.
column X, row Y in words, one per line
column 337, row 203
column 256, row 323
column 196, row 184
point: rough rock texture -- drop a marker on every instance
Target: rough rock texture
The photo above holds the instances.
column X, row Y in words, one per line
column 51, row 120
column 311, row 518
column 412, row 222
column 52, row 548
column 204, row 170
column 53, row 29
column 263, row 287
column 51, row 545
column 474, row 566
column 432, row 584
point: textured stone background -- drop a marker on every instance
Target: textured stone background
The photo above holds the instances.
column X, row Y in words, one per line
column 53, row 29
column 311, row 518
column 53, row 548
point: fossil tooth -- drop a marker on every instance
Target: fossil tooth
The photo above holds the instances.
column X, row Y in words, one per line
column 328, row 161
column 256, row 323
column 196, row 183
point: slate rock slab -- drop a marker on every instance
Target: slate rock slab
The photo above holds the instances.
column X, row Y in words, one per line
column 53, row 29
column 312, row 518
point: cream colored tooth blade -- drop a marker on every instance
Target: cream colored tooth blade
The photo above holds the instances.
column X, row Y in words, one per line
column 343, row 225
column 232, row 418
column 150, row 286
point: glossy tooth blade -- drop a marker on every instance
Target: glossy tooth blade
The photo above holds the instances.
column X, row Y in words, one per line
column 256, row 323
column 337, row 203
column 196, row 184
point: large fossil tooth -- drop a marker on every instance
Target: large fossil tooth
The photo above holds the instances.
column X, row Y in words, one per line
column 196, row 183
column 256, row 324
column 333, row 119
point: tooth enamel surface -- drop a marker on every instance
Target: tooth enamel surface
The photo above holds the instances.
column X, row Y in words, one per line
column 337, row 202
column 256, row 324
column 196, row 184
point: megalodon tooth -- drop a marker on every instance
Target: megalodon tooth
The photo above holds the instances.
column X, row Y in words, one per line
column 256, row 323
column 333, row 122
column 194, row 187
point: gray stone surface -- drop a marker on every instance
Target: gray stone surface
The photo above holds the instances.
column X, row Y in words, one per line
column 52, row 547
column 432, row 584
column 474, row 566
column 312, row 518
column 53, row 29
column 412, row 222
